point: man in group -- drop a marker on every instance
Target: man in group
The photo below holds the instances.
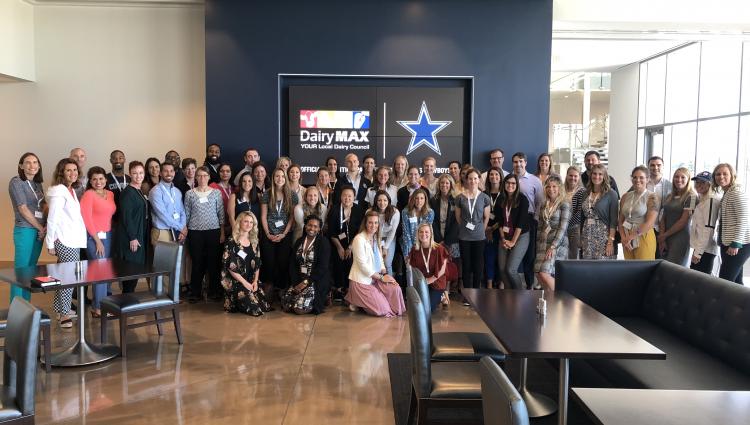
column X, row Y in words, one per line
column 213, row 161
column 173, row 158
column 117, row 180
column 167, row 212
column 79, row 156
column 428, row 179
column 250, row 157
column 531, row 187
column 660, row 186
column 353, row 178
column 590, row 159
column 497, row 157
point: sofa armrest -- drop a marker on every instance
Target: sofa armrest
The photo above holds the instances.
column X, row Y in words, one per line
column 613, row 287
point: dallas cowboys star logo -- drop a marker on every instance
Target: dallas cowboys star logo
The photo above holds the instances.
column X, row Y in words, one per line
column 423, row 130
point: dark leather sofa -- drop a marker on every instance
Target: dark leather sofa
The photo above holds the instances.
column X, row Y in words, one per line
column 701, row 322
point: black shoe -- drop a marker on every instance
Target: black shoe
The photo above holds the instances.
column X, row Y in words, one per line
column 193, row 300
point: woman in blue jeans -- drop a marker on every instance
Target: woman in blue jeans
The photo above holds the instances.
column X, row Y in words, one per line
column 512, row 217
column 97, row 209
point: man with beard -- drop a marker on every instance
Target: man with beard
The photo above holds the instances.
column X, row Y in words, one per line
column 213, row 161
column 250, row 157
column 590, row 159
column 117, row 180
column 167, row 211
column 172, row 157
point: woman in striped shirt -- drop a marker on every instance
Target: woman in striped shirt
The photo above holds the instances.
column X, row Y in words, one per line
column 734, row 223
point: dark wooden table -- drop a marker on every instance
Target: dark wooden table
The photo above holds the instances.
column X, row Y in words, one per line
column 79, row 275
column 570, row 329
column 608, row 406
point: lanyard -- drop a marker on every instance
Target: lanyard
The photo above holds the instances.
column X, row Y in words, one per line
column 633, row 201
column 426, row 260
column 494, row 200
column 305, row 248
column 38, row 199
column 507, row 215
column 279, row 206
column 168, row 191
column 592, row 200
column 227, row 191
column 124, row 181
column 472, row 206
column 343, row 219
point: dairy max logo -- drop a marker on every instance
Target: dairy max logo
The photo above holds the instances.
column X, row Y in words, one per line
column 334, row 126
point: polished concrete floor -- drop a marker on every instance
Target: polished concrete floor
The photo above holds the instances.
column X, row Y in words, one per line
column 235, row 369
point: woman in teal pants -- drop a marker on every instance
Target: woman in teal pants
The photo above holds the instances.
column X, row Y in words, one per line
column 30, row 210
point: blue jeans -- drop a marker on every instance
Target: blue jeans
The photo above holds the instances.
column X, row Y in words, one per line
column 100, row 289
column 490, row 257
column 391, row 250
column 508, row 260
column 435, row 297
column 27, row 250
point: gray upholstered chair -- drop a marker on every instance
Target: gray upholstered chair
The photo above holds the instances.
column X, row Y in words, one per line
column 45, row 326
column 456, row 346
column 19, row 363
column 168, row 256
column 436, row 384
column 501, row 402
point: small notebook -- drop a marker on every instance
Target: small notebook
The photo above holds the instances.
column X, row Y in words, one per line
column 45, row 281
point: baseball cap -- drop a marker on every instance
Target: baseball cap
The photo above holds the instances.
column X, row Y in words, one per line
column 703, row 176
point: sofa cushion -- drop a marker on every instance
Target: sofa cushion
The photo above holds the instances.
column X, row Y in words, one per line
column 707, row 312
column 686, row 366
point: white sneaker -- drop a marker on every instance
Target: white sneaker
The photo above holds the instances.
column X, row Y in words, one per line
column 353, row 308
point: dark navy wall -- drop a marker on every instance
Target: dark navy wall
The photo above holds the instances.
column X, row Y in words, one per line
column 504, row 44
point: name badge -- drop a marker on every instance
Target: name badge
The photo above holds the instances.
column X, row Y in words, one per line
column 202, row 200
column 279, row 223
column 492, row 216
column 38, row 214
column 242, row 254
column 627, row 225
column 102, row 235
column 303, row 269
column 470, row 226
column 176, row 216
column 413, row 220
column 590, row 221
column 356, row 201
column 342, row 236
column 506, row 229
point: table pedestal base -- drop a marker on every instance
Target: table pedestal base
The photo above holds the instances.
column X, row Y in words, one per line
column 82, row 354
column 537, row 405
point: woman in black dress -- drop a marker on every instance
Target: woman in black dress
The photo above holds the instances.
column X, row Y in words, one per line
column 133, row 224
column 309, row 278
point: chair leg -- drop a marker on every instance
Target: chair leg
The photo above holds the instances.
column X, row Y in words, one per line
column 158, row 325
column 412, row 407
column 46, row 331
column 177, row 328
column 421, row 412
column 103, row 327
column 123, row 334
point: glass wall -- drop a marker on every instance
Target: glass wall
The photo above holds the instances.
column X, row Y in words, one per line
column 694, row 107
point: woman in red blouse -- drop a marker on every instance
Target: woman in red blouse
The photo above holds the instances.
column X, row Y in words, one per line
column 431, row 259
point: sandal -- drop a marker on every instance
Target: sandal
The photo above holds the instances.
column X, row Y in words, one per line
column 66, row 323
column 95, row 315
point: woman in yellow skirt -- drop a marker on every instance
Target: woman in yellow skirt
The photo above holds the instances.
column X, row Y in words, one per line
column 638, row 212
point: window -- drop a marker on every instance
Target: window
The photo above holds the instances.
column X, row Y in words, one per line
column 642, row 94
column 683, row 147
column 717, row 142
column 682, row 84
column 657, row 69
column 720, row 78
column 745, row 106
column 743, row 158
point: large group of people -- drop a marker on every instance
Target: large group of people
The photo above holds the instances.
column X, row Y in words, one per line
column 258, row 236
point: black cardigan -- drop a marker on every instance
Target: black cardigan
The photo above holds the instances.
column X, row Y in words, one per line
column 319, row 274
column 333, row 223
column 519, row 215
column 451, row 226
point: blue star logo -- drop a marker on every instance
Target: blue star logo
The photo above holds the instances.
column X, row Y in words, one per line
column 423, row 130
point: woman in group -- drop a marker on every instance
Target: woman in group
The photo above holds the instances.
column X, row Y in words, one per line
column 674, row 227
column 204, row 212
column 283, row 163
column 333, row 171
column 444, row 226
column 241, row 269
column 599, row 209
column 472, row 216
column 638, row 211
column 261, row 183
column 189, row 167
column 29, row 208
column 226, row 189
column 382, row 182
column 370, row 287
column 344, row 220
column 293, row 176
column 492, row 189
column 454, row 170
column 512, row 215
column 734, row 223
column 544, row 167
column 389, row 220
column 132, row 227
column 417, row 211
column 325, row 191
column 66, row 233
column 400, row 165
column 277, row 220
column 308, row 270
column 703, row 223
column 574, row 192
column 153, row 175
column 551, row 241
column 431, row 259
column 97, row 208
column 368, row 167
column 242, row 199
column 310, row 206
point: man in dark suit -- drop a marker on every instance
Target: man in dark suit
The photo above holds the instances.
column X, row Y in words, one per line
column 352, row 178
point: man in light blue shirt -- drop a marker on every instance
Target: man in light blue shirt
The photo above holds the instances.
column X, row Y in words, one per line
column 531, row 187
column 167, row 211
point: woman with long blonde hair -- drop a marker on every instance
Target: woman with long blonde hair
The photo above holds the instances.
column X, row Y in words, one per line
column 674, row 227
column 431, row 259
column 734, row 223
column 277, row 221
column 551, row 240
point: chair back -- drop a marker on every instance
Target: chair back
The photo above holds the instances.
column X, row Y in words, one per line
column 501, row 402
column 21, row 347
column 168, row 255
column 420, row 345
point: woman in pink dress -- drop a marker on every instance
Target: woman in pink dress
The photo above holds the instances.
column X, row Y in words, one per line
column 370, row 287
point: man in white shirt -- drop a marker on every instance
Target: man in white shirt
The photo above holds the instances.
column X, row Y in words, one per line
column 497, row 157
column 250, row 157
column 353, row 178
column 660, row 186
